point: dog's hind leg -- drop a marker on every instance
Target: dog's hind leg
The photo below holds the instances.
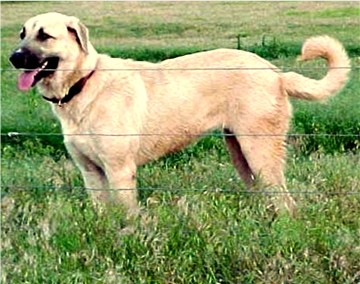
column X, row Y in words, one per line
column 266, row 158
column 256, row 154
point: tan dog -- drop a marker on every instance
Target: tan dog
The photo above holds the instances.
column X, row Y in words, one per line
column 176, row 99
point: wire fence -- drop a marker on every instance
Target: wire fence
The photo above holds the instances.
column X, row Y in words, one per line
column 265, row 135
column 264, row 192
column 159, row 68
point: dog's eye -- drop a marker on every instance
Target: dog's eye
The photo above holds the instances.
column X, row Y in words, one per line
column 22, row 34
column 42, row 36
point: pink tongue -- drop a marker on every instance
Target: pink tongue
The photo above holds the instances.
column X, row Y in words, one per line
column 26, row 79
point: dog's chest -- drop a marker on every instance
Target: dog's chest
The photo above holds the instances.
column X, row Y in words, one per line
column 80, row 140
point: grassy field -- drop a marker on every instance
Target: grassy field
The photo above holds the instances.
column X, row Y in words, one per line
column 201, row 226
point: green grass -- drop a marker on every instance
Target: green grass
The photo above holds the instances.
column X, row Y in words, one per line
column 327, row 13
column 56, row 236
column 197, row 232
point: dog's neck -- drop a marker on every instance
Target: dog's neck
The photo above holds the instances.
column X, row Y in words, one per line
column 73, row 91
column 63, row 89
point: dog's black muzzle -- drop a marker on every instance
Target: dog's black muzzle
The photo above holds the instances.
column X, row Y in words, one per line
column 24, row 59
column 36, row 67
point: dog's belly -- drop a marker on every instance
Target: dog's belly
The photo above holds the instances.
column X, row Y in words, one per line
column 156, row 142
column 156, row 147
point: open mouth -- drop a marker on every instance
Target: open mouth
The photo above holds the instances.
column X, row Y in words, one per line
column 30, row 78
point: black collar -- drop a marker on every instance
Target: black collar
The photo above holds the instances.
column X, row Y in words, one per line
column 73, row 91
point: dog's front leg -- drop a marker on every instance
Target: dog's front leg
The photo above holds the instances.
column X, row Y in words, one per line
column 113, row 185
column 121, row 176
column 96, row 183
column 95, row 180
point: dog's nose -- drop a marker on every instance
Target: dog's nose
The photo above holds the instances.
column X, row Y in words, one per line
column 24, row 58
column 18, row 59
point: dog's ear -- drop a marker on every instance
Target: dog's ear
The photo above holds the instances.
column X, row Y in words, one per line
column 80, row 31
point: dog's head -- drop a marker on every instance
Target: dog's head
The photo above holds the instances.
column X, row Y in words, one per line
column 50, row 43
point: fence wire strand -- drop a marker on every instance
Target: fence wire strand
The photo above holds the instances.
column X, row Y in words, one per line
column 35, row 134
column 159, row 68
column 182, row 190
column 265, row 192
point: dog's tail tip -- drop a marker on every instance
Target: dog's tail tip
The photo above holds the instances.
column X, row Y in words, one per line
column 326, row 47
column 338, row 62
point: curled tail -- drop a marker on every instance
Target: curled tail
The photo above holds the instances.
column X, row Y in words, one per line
column 331, row 50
